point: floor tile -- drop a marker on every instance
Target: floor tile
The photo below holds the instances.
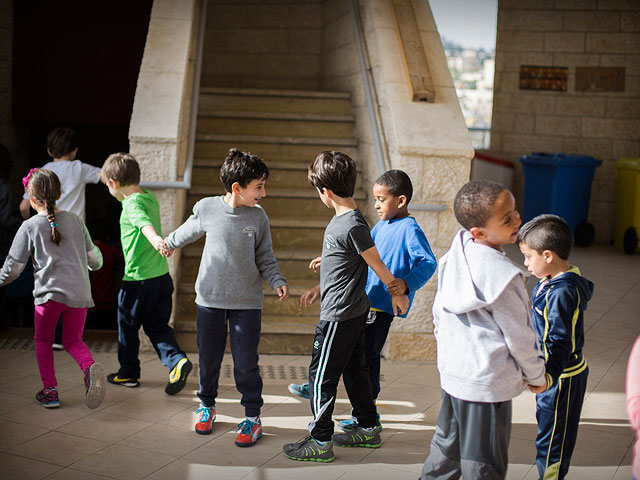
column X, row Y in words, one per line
column 13, row 434
column 193, row 470
column 169, row 440
column 20, row 468
column 58, row 448
column 105, row 427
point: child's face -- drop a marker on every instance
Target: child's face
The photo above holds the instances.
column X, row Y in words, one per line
column 387, row 206
column 250, row 195
column 502, row 227
column 537, row 263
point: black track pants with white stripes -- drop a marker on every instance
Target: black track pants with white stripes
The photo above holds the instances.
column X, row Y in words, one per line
column 338, row 349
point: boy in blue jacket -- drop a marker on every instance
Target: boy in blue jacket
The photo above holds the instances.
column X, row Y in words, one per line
column 405, row 250
column 559, row 301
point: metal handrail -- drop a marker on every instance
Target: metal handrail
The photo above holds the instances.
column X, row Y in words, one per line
column 185, row 184
column 365, row 71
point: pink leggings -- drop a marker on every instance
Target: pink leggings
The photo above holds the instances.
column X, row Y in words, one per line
column 45, row 318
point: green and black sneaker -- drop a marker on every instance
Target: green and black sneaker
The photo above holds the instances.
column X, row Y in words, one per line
column 178, row 376
column 310, row 450
column 360, row 437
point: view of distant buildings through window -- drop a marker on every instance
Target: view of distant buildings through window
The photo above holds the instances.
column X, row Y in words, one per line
column 469, row 45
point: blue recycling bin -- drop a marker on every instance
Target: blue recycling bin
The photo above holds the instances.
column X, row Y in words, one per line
column 560, row 184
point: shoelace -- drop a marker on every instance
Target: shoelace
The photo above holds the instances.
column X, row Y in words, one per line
column 206, row 413
column 245, row 427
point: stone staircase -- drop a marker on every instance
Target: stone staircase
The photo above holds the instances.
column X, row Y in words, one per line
column 287, row 129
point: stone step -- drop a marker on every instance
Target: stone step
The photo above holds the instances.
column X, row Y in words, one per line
column 271, row 148
column 213, row 99
column 271, row 305
column 270, row 324
column 305, row 126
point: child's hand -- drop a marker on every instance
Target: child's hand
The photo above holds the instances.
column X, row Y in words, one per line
column 315, row 264
column 399, row 304
column 283, row 292
column 308, row 297
column 537, row 388
column 160, row 245
column 397, row 287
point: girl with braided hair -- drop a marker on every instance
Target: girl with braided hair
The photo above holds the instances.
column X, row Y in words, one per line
column 62, row 254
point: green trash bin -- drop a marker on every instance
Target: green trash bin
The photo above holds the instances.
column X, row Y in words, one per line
column 627, row 204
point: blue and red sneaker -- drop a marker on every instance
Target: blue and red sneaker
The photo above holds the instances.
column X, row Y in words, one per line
column 204, row 425
column 48, row 397
column 250, row 432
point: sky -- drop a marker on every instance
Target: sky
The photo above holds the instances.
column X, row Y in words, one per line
column 470, row 23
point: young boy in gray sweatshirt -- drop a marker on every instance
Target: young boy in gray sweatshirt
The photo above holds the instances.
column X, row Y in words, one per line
column 486, row 346
column 237, row 255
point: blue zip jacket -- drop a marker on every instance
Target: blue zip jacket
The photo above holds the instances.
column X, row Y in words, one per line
column 558, row 316
column 404, row 249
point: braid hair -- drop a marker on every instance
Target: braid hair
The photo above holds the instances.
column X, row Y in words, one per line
column 44, row 187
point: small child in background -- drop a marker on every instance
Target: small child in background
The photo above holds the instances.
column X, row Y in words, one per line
column 145, row 295
column 486, row 346
column 558, row 305
column 62, row 253
column 104, row 282
column 405, row 250
column 74, row 175
column 237, row 256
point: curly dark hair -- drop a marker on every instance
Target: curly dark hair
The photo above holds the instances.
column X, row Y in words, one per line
column 473, row 202
column 242, row 167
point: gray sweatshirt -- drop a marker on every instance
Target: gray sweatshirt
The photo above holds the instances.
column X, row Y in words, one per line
column 486, row 345
column 237, row 254
column 60, row 272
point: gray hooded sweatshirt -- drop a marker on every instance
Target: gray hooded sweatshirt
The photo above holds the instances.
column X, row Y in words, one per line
column 486, row 345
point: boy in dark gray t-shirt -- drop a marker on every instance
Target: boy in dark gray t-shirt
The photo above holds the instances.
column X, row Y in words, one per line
column 338, row 347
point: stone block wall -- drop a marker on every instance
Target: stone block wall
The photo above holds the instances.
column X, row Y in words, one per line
column 427, row 140
column 257, row 44
column 605, row 125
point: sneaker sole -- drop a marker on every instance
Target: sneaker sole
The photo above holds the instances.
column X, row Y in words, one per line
column 297, row 393
column 49, row 405
column 365, row 445
column 173, row 388
column 95, row 394
column 323, row 460
column 204, row 432
column 124, row 384
column 249, row 444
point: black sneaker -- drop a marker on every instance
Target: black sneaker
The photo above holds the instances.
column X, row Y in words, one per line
column 309, row 450
column 178, row 376
column 360, row 437
column 125, row 382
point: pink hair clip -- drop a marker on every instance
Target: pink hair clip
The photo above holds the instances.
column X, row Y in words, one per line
column 25, row 180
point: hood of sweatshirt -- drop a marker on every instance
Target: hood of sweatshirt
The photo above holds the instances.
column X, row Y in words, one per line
column 474, row 277
column 573, row 278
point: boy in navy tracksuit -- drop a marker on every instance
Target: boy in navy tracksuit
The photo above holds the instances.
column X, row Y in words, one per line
column 559, row 301
column 405, row 250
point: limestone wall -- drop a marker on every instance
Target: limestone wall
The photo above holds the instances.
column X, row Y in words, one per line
column 159, row 123
column 257, row 44
column 605, row 125
column 427, row 140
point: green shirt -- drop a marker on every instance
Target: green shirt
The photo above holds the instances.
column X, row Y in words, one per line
column 141, row 260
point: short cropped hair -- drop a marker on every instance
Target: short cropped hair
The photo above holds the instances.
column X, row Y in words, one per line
column 474, row 201
column 397, row 182
column 335, row 171
column 242, row 167
column 122, row 168
column 547, row 232
column 62, row 141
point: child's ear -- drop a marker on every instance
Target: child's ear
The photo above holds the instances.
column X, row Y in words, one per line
column 548, row 255
column 112, row 183
column 235, row 188
column 49, row 152
column 478, row 233
column 402, row 201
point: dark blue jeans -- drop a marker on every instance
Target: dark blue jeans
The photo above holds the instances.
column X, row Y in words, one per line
column 244, row 335
column 146, row 303
column 375, row 334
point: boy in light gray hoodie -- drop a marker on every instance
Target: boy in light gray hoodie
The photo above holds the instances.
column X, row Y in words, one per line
column 486, row 347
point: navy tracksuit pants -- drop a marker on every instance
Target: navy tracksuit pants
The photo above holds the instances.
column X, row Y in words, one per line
column 244, row 335
column 558, row 414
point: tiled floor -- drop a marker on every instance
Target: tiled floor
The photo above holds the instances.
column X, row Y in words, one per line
column 143, row 433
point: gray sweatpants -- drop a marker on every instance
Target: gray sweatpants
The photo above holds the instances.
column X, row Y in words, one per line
column 471, row 439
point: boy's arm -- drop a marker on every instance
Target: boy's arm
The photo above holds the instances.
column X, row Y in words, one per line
column 399, row 303
column 25, row 208
column 94, row 255
column 90, row 173
column 141, row 219
column 511, row 312
column 266, row 261
column 17, row 258
column 562, row 306
column 422, row 260
column 156, row 240
column 188, row 232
